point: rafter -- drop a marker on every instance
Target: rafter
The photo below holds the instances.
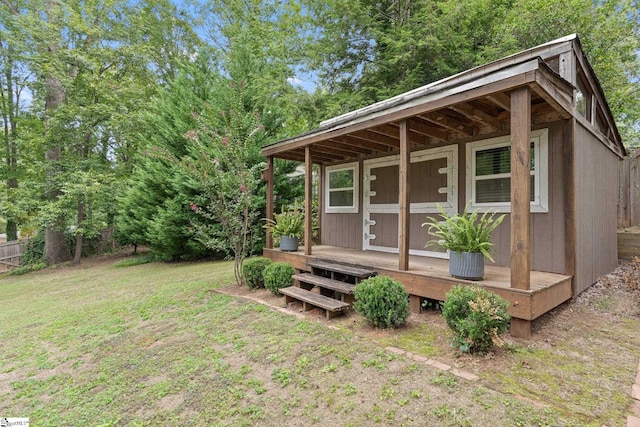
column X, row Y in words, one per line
column 501, row 100
column 392, row 130
column 344, row 147
column 361, row 141
column 472, row 113
column 447, row 122
column 333, row 152
column 420, row 127
column 369, row 135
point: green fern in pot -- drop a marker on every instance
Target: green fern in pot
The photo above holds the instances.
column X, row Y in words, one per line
column 468, row 232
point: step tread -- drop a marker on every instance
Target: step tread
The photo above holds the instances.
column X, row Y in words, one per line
column 325, row 282
column 351, row 270
column 315, row 299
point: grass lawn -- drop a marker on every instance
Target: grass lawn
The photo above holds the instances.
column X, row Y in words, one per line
column 155, row 344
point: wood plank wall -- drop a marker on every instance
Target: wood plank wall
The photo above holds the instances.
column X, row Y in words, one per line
column 547, row 229
column 629, row 191
column 596, row 212
column 10, row 253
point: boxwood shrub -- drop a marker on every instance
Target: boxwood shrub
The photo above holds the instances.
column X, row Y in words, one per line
column 476, row 316
column 383, row 301
column 277, row 276
column 252, row 270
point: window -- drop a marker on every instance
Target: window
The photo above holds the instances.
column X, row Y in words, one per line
column 342, row 188
column 489, row 173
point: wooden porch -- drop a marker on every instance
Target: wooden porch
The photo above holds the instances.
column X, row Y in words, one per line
column 429, row 278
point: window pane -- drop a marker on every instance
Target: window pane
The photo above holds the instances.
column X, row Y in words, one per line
column 493, row 161
column 341, row 179
column 493, row 190
column 499, row 190
column 341, row 198
column 498, row 160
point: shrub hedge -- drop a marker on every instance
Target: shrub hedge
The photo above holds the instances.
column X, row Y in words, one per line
column 277, row 276
column 476, row 316
column 252, row 270
column 383, row 301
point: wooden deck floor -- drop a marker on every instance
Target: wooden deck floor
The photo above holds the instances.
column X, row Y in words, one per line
column 429, row 278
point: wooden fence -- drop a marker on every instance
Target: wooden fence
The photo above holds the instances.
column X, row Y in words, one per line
column 10, row 253
column 629, row 191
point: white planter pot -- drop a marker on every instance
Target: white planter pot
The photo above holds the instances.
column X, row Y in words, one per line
column 466, row 265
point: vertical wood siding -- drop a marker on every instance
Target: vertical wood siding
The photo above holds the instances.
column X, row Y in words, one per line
column 10, row 253
column 340, row 229
column 596, row 211
column 629, row 191
column 547, row 229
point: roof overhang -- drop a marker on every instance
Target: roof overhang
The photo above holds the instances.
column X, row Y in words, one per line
column 457, row 108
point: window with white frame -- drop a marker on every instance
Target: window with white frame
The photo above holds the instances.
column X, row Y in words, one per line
column 341, row 184
column 489, row 173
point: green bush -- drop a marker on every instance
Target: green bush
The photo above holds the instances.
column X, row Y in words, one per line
column 277, row 276
column 33, row 250
column 252, row 270
column 476, row 316
column 135, row 260
column 27, row 269
column 383, row 301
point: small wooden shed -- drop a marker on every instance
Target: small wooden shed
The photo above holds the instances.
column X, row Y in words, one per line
column 530, row 135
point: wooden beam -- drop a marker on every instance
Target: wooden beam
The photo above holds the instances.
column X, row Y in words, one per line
column 520, row 328
column 472, row 113
column 501, row 100
column 447, row 122
column 419, row 126
column 308, row 195
column 346, row 146
column 338, row 153
column 374, row 141
column 320, row 202
column 520, row 187
column 567, row 67
column 308, row 202
column 404, row 214
column 269, row 208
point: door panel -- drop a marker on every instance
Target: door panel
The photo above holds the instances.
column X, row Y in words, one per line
column 433, row 182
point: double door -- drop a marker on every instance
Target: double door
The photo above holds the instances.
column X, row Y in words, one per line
column 433, row 181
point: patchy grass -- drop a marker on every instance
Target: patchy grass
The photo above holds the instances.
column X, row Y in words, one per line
column 156, row 344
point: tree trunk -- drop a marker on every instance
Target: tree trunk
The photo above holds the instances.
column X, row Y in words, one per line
column 54, row 247
column 10, row 112
column 79, row 238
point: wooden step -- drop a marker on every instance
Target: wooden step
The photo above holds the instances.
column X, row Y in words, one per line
column 310, row 300
column 350, row 270
column 324, row 282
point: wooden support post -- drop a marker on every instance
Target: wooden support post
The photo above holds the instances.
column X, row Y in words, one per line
column 308, row 199
column 520, row 187
column 321, row 201
column 269, row 178
column 520, row 328
column 415, row 303
column 403, row 220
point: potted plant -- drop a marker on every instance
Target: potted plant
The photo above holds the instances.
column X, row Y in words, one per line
column 467, row 237
column 288, row 227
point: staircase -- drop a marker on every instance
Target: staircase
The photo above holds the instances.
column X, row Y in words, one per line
column 329, row 286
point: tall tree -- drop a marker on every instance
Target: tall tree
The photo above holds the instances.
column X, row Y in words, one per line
column 96, row 65
column 610, row 33
column 12, row 84
column 365, row 50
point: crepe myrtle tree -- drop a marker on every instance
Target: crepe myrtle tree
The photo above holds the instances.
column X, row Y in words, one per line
column 221, row 167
